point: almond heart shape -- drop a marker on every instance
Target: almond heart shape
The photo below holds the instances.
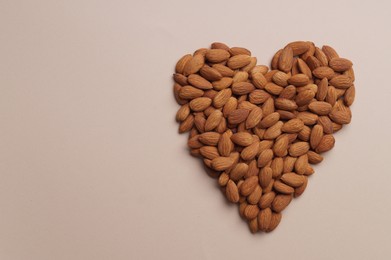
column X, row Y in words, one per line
column 258, row 130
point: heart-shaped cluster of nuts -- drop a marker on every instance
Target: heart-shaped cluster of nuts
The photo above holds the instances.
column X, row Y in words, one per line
column 258, row 130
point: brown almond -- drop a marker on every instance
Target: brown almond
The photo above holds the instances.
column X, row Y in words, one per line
column 273, row 131
column 265, row 157
column 209, row 138
column 325, row 144
column 182, row 113
column 341, row 81
column 200, row 104
column 180, row 79
column 283, row 188
column 350, row 95
column 301, row 189
column 189, row 92
column 225, row 145
column 223, row 70
column 250, row 151
column 187, row 124
column 265, row 176
column 320, row 108
column 259, row 80
column 238, row 61
column 314, row 157
column 303, row 67
column 316, row 136
column 275, row 220
column 299, row 47
column 223, row 83
column 213, row 120
column 298, row 149
column 217, row 55
column 264, row 219
column 232, row 192
column 199, row 82
column 329, row 52
column 251, row 212
column 194, row 64
column 285, row 60
column 281, row 78
column 255, row 196
column 285, row 104
column 270, row 120
column 323, row 72
column 340, row 64
column 280, row 202
column 230, row 106
column 266, row 200
column 319, row 54
column 222, row 97
column 239, row 171
column 242, row 88
column 273, row 89
column 326, row 123
column 254, row 117
column 180, row 66
column 301, row 164
column 299, row 80
column 292, row 179
column 239, row 50
column 249, row 185
column 242, row 138
column 210, row 73
column 222, row 163
column 209, row 152
column 238, row 116
column 281, row 146
column 308, row 118
column 304, row 97
column 293, row 126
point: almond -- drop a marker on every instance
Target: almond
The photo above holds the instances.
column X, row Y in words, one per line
column 280, row 202
column 180, row 66
column 323, row 72
column 239, row 50
column 222, row 163
column 292, row 179
column 285, row 60
column 250, row 151
column 225, row 145
column 285, row 104
column 213, row 120
column 304, row 97
column 242, row 139
column 209, row 152
column 283, row 188
column 320, row 108
column 316, row 136
column 341, row 117
column 299, row 80
column 274, row 221
column 325, row 144
column 273, row 131
column 298, row 149
column 329, row 52
column 189, row 92
column 182, row 113
column 266, row 200
column 200, row 104
column 239, row 171
column 209, row 138
column 259, row 80
column 249, row 185
column 239, row 61
column 255, row 196
column 223, row 83
column 217, row 55
column 232, row 192
column 222, row 97
column 265, row 176
column 308, row 118
column 242, row 88
column 194, row 64
column 265, row 157
column 264, row 219
column 210, row 73
column 340, row 64
column 254, row 117
column 187, row 124
column 293, row 126
column 341, row 81
column 299, row 47
column 199, row 82
column 238, row 116
column 251, row 212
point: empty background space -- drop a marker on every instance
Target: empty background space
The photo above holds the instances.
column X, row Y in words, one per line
column 92, row 166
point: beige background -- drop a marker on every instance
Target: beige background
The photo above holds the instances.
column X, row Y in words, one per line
column 92, row 167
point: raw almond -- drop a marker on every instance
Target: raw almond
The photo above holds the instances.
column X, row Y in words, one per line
column 239, row 61
column 217, row 55
column 232, row 192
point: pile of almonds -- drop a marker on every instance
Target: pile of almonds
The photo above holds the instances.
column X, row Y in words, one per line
column 258, row 129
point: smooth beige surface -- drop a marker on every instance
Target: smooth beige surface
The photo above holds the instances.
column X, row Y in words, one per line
column 92, row 167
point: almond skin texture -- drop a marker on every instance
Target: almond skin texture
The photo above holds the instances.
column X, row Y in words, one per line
column 232, row 192
column 259, row 129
